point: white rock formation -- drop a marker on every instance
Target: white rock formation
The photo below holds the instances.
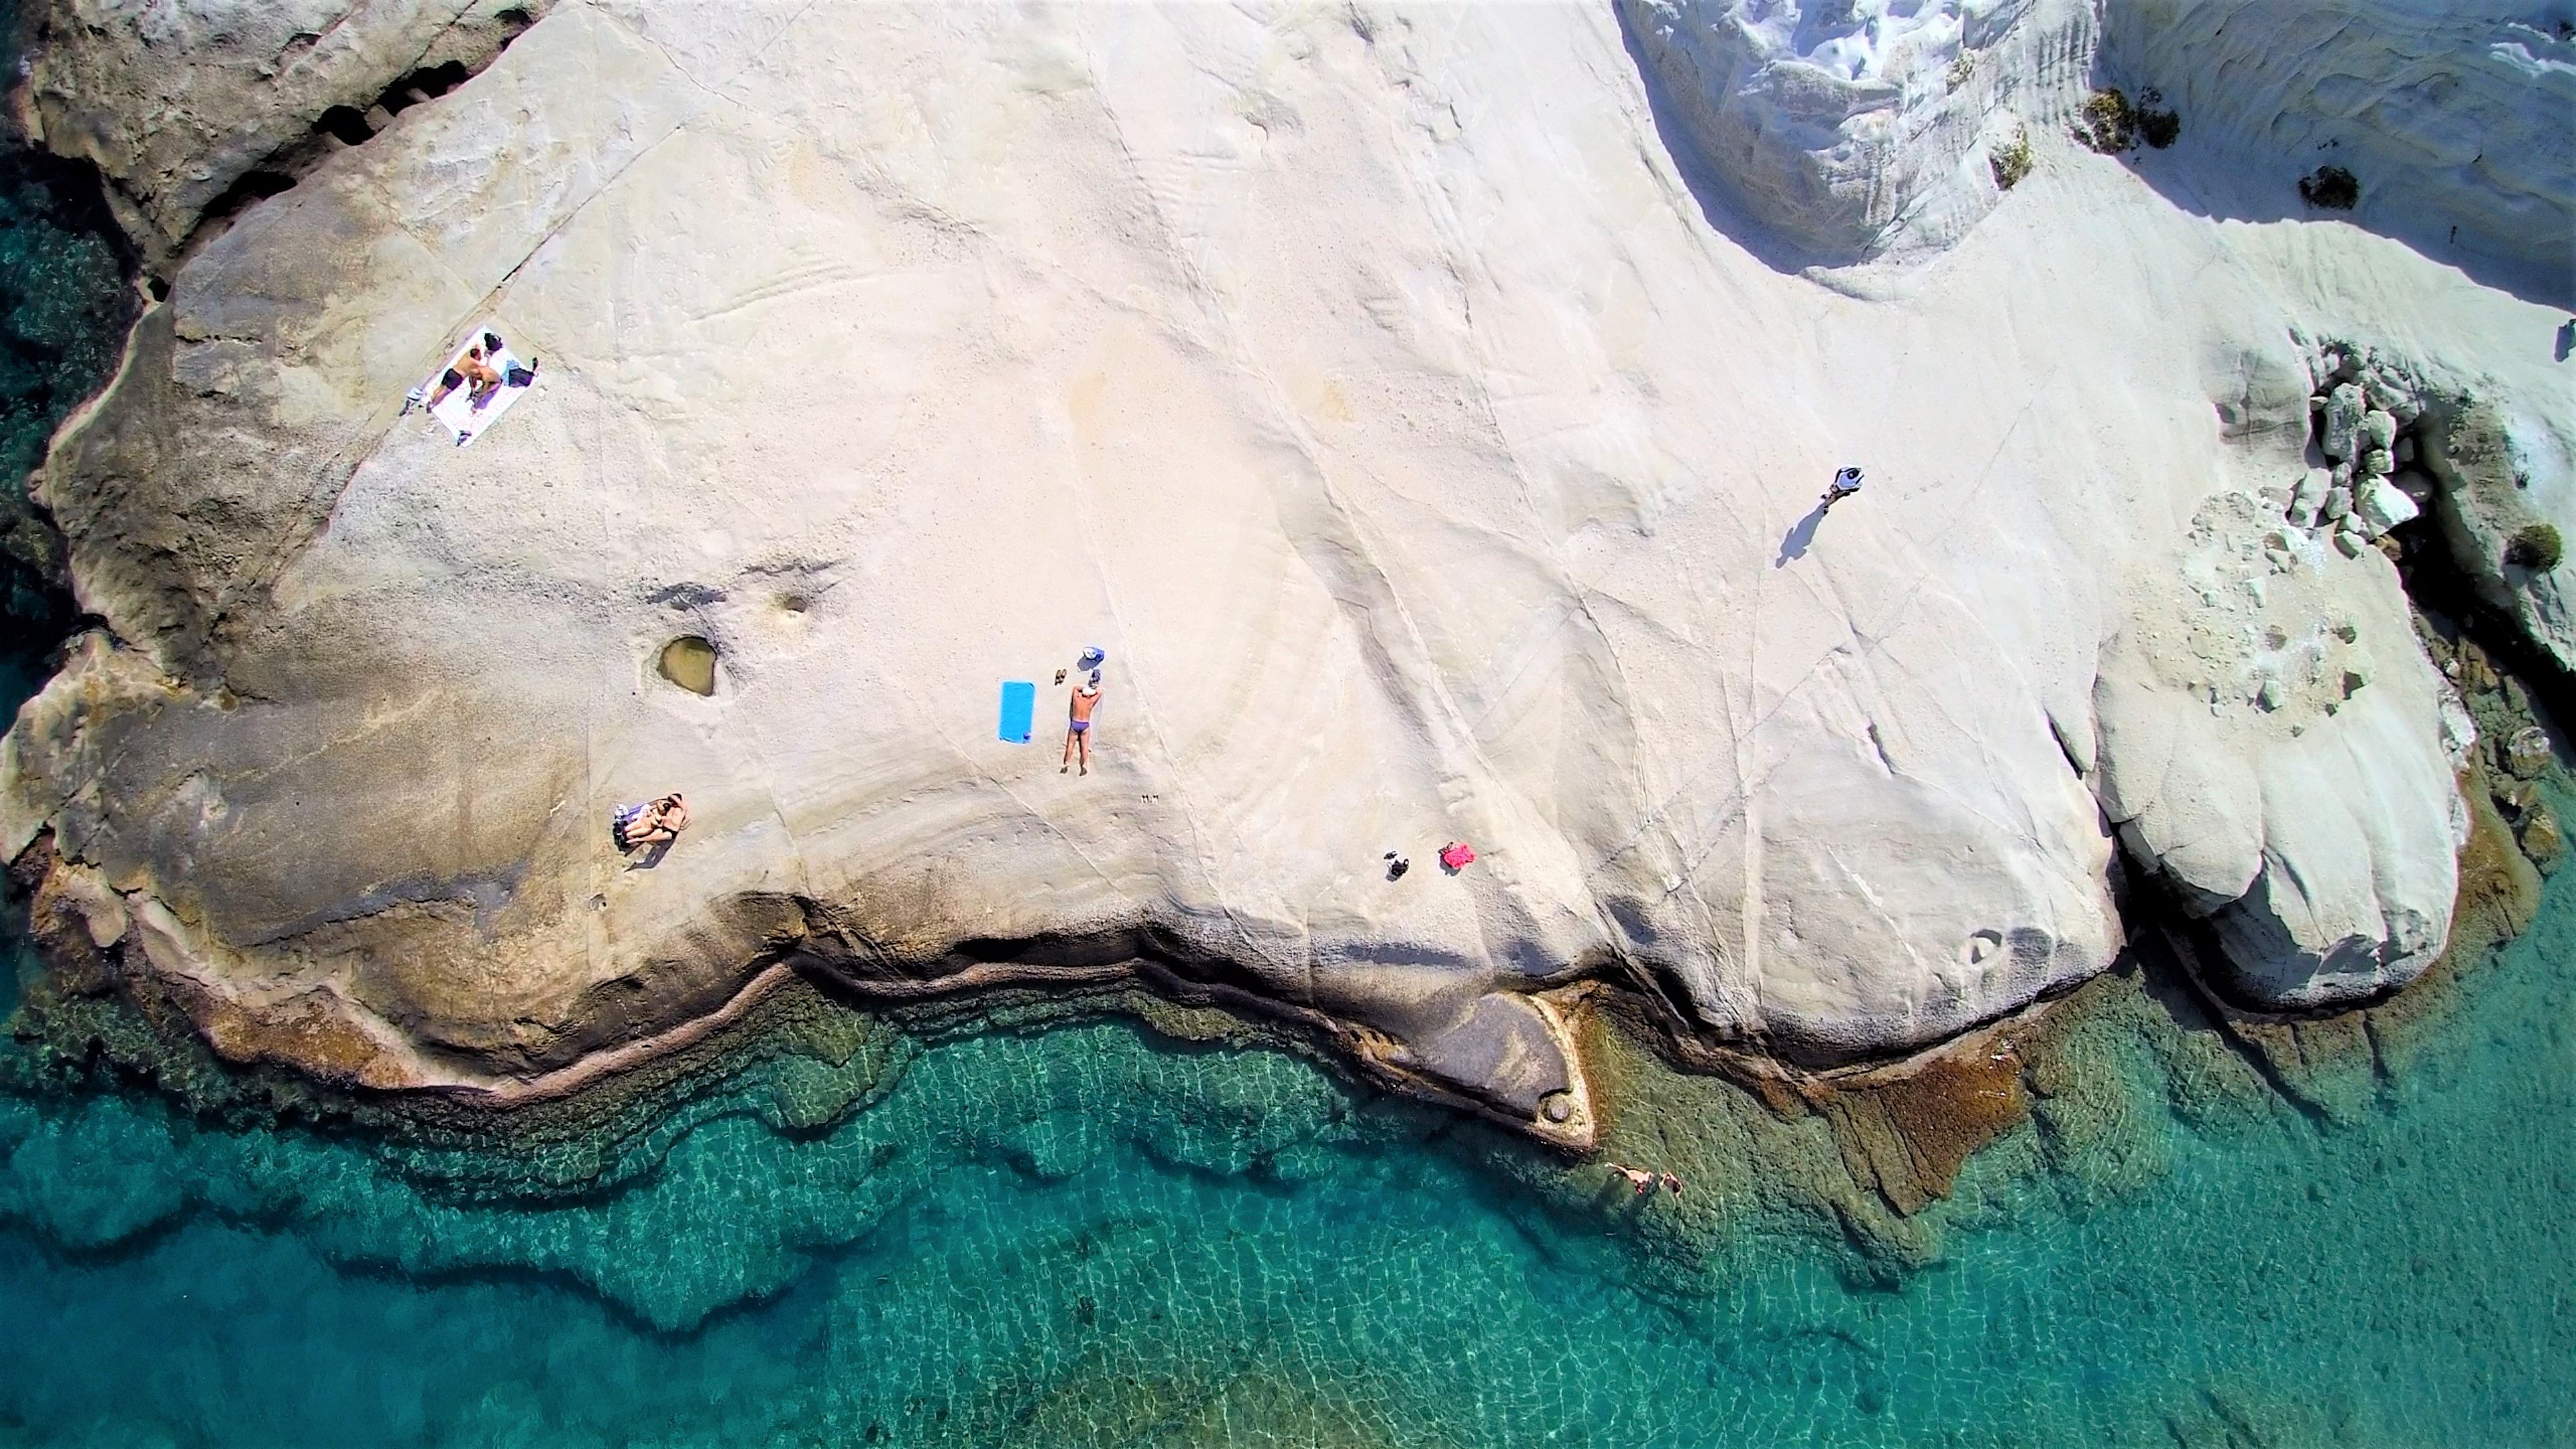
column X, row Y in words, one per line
column 2381, row 506
column 2270, row 738
column 1369, row 385
column 2453, row 115
column 1853, row 129
column 177, row 101
column 2505, row 463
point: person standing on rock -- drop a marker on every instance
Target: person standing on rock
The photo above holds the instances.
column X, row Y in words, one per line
column 1846, row 483
column 1077, row 731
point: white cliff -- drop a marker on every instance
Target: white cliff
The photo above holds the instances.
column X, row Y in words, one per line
column 1848, row 131
column 2456, row 118
column 1372, row 387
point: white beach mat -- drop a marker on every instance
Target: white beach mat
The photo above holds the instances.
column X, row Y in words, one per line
column 456, row 412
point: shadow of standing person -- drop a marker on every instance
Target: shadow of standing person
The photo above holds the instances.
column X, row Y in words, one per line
column 1793, row 544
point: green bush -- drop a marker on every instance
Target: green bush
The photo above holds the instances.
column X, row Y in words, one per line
column 2536, row 548
column 2011, row 161
column 2107, row 123
column 2330, row 187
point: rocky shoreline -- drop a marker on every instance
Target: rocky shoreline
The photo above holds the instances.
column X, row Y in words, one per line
column 325, row 782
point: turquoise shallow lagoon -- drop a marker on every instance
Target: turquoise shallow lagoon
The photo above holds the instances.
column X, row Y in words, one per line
column 1090, row 1235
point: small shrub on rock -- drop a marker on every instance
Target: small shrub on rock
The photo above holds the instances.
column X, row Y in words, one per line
column 2330, row 187
column 2108, row 123
column 2537, row 548
column 2011, row 160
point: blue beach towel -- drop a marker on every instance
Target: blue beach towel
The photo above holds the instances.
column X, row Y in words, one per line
column 1019, row 710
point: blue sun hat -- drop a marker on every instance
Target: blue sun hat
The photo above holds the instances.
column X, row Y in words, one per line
column 1092, row 658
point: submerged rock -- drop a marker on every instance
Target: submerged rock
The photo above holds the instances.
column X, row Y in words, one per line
column 2526, row 752
column 2543, row 839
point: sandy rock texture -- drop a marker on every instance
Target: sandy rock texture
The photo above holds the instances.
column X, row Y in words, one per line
column 1370, row 385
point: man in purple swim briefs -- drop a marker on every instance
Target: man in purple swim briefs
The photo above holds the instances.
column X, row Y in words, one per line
column 1077, row 732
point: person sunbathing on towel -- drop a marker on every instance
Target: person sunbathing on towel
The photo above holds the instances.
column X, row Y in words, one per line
column 469, row 368
column 653, row 824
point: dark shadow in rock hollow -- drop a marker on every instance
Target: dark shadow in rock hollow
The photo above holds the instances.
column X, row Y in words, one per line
column 2222, row 183
column 1793, row 544
column 1718, row 203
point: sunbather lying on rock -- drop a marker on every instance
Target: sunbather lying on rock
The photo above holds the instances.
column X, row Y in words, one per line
column 636, row 826
column 469, row 368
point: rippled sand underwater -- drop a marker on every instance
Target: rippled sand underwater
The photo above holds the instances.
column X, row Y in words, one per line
column 1096, row 1235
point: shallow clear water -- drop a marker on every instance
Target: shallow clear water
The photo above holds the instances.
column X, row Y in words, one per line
column 1088, row 1236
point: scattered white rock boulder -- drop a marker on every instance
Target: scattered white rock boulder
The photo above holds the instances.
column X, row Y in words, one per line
column 2504, row 467
column 2377, row 433
column 2380, row 507
column 2308, row 499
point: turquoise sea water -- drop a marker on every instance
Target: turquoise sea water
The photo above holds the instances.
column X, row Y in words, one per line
column 1090, row 1235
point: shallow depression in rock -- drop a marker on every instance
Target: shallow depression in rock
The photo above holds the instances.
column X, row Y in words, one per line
column 689, row 662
